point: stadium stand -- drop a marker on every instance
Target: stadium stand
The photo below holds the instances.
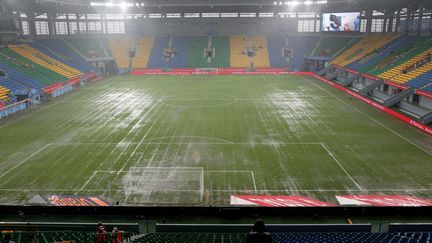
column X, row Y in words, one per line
column 411, row 68
column 181, row 47
column 143, row 49
column 156, row 57
column 302, row 47
column 4, row 94
column 120, row 48
column 421, row 81
column 18, row 70
column 239, row 46
column 11, row 85
column 45, row 61
column 275, row 45
column 379, row 60
column 222, row 52
column 288, row 237
column 90, row 47
column 58, row 49
column 329, row 46
column 361, row 49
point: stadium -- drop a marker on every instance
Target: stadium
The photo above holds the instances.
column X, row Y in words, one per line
column 187, row 121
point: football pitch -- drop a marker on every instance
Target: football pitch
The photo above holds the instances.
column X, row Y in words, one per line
column 197, row 140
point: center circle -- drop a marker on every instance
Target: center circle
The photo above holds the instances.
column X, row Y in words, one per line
column 200, row 100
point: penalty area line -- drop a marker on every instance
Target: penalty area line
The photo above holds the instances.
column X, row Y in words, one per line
column 20, row 163
column 340, row 165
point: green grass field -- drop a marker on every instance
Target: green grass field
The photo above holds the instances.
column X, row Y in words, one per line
column 196, row 140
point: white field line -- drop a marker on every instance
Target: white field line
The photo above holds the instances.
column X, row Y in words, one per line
column 236, row 171
column 228, row 171
column 189, row 169
column 186, row 143
column 145, row 135
column 201, row 137
column 369, row 117
column 88, row 181
column 20, row 163
column 253, row 179
column 242, row 190
column 148, row 115
column 340, row 165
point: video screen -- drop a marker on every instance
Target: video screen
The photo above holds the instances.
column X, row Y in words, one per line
column 340, row 22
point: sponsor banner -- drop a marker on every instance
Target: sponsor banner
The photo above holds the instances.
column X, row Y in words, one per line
column 200, row 71
column 74, row 80
column 277, row 201
column 424, row 93
column 49, row 89
column 370, row 77
column 389, row 111
column 67, row 200
column 351, row 70
column 384, row 200
column 390, row 83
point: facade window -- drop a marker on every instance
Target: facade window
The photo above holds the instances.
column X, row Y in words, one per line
column 25, row 27
column 61, row 28
column 363, row 23
column 229, row 15
column 173, row 15
column 72, row 16
column 264, row 15
column 155, row 15
column 191, row 15
column 93, row 16
column 210, row 15
column 41, row 28
column 61, row 16
column 246, row 15
column 41, row 16
column 306, row 26
column 73, row 28
column 94, row 27
column 82, row 27
column 287, row 15
column 377, row 25
column 115, row 27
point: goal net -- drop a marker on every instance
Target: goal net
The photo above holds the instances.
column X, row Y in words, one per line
column 159, row 185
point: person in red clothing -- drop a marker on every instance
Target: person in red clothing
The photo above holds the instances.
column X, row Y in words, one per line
column 99, row 224
column 117, row 236
column 101, row 236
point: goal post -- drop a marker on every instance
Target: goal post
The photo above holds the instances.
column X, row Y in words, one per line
column 167, row 181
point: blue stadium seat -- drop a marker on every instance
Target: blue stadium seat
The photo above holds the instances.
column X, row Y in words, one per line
column 421, row 80
column 22, row 78
column 70, row 57
column 156, row 58
column 275, row 44
column 10, row 84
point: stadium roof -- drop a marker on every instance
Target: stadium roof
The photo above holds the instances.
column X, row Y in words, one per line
column 219, row 5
